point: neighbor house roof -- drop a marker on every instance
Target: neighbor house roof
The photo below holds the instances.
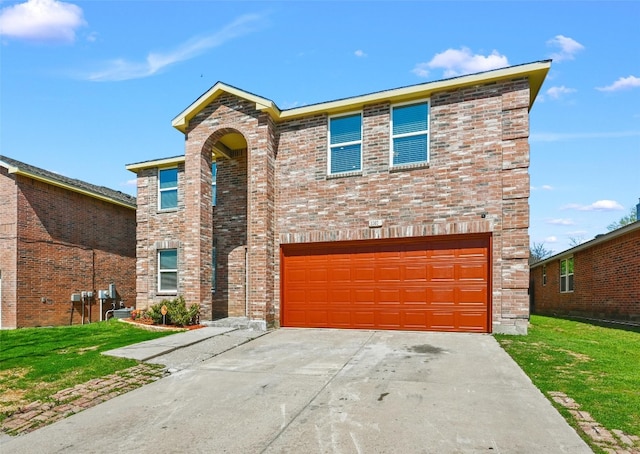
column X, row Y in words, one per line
column 597, row 240
column 97, row 192
column 535, row 72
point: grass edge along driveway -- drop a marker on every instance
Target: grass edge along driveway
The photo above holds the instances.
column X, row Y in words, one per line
column 596, row 366
column 36, row 363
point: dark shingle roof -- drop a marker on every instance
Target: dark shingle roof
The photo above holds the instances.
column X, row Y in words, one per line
column 99, row 192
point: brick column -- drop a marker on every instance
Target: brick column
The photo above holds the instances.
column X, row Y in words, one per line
column 195, row 272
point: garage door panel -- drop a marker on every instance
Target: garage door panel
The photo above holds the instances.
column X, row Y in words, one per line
column 417, row 284
column 472, row 271
column 414, row 296
column 389, row 296
column 442, row 272
column 415, row 273
column 363, row 296
column 364, row 274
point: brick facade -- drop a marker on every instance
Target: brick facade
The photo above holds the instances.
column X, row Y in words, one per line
column 606, row 279
column 275, row 190
column 56, row 242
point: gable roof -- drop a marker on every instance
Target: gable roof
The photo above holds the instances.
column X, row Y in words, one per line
column 597, row 240
column 97, row 192
column 536, row 72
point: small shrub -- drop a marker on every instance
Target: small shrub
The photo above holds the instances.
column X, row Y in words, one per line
column 177, row 312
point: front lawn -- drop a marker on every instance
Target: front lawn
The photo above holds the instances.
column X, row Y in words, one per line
column 598, row 367
column 35, row 363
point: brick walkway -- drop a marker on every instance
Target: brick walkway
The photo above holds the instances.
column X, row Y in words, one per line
column 612, row 443
column 73, row 400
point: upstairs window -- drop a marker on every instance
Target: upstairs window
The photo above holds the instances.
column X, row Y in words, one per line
column 168, row 188
column 214, row 174
column 410, row 134
column 168, row 270
column 566, row 275
column 345, row 144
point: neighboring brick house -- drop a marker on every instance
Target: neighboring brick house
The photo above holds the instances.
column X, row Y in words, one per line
column 306, row 217
column 60, row 236
column 599, row 278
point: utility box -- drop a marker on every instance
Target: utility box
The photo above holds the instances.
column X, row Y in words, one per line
column 103, row 294
column 76, row 298
column 122, row 313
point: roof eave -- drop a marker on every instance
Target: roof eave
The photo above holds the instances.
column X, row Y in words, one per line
column 181, row 121
column 163, row 162
column 60, row 184
column 594, row 242
column 536, row 72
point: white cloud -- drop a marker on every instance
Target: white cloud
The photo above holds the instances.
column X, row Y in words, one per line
column 42, row 20
column 545, row 187
column 561, row 136
column 600, row 205
column 359, row 53
column 568, row 48
column 623, row 83
column 457, row 62
column 557, row 92
column 132, row 182
column 120, row 69
column 551, row 239
column 560, row 222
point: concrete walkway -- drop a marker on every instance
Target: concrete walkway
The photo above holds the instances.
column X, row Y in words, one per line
column 325, row 391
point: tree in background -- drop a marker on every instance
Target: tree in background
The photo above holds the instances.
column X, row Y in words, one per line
column 537, row 252
column 624, row 220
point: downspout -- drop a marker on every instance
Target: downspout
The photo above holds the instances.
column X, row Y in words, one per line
column 246, row 282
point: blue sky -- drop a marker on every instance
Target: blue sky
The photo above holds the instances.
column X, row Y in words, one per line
column 87, row 87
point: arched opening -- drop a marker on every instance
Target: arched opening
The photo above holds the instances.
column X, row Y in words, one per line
column 229, row 218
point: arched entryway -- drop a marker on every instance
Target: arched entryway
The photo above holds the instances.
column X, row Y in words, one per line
column 228, row 150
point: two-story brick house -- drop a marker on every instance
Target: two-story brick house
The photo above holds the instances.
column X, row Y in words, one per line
column 401, row 209
column 60, row 236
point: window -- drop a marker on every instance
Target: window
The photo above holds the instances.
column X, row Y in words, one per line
column 410, row 134
column 566, row 275
column 544, row 274
column 168, row 188
column 345, row 144
column 168, row 270
column 214, row 174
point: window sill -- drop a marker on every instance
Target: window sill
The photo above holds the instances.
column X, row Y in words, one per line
column 357, row 173
column 167, row 293
column 411, row 166
column 168, row 210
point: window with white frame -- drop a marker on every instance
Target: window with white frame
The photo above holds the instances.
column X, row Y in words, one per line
column 168, row 188
column 566, row 275
column 168, row 270
column 345, row 144
column 410, row 133
column 214, row 175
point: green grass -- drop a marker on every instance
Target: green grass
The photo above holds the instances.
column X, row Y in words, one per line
column 38, row 362
column 597, row 366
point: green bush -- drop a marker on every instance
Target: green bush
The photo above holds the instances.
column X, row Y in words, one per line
column 177, row 312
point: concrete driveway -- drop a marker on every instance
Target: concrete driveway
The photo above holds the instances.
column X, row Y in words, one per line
column 327, row 391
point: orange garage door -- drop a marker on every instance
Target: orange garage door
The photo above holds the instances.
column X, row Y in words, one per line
column 418, row 284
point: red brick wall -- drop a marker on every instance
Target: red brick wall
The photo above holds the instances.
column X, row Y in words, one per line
column 476, row 182
column 478, row 163
column 67, row 243
column 156, row 230
column 606, row 282
column 8, row 251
